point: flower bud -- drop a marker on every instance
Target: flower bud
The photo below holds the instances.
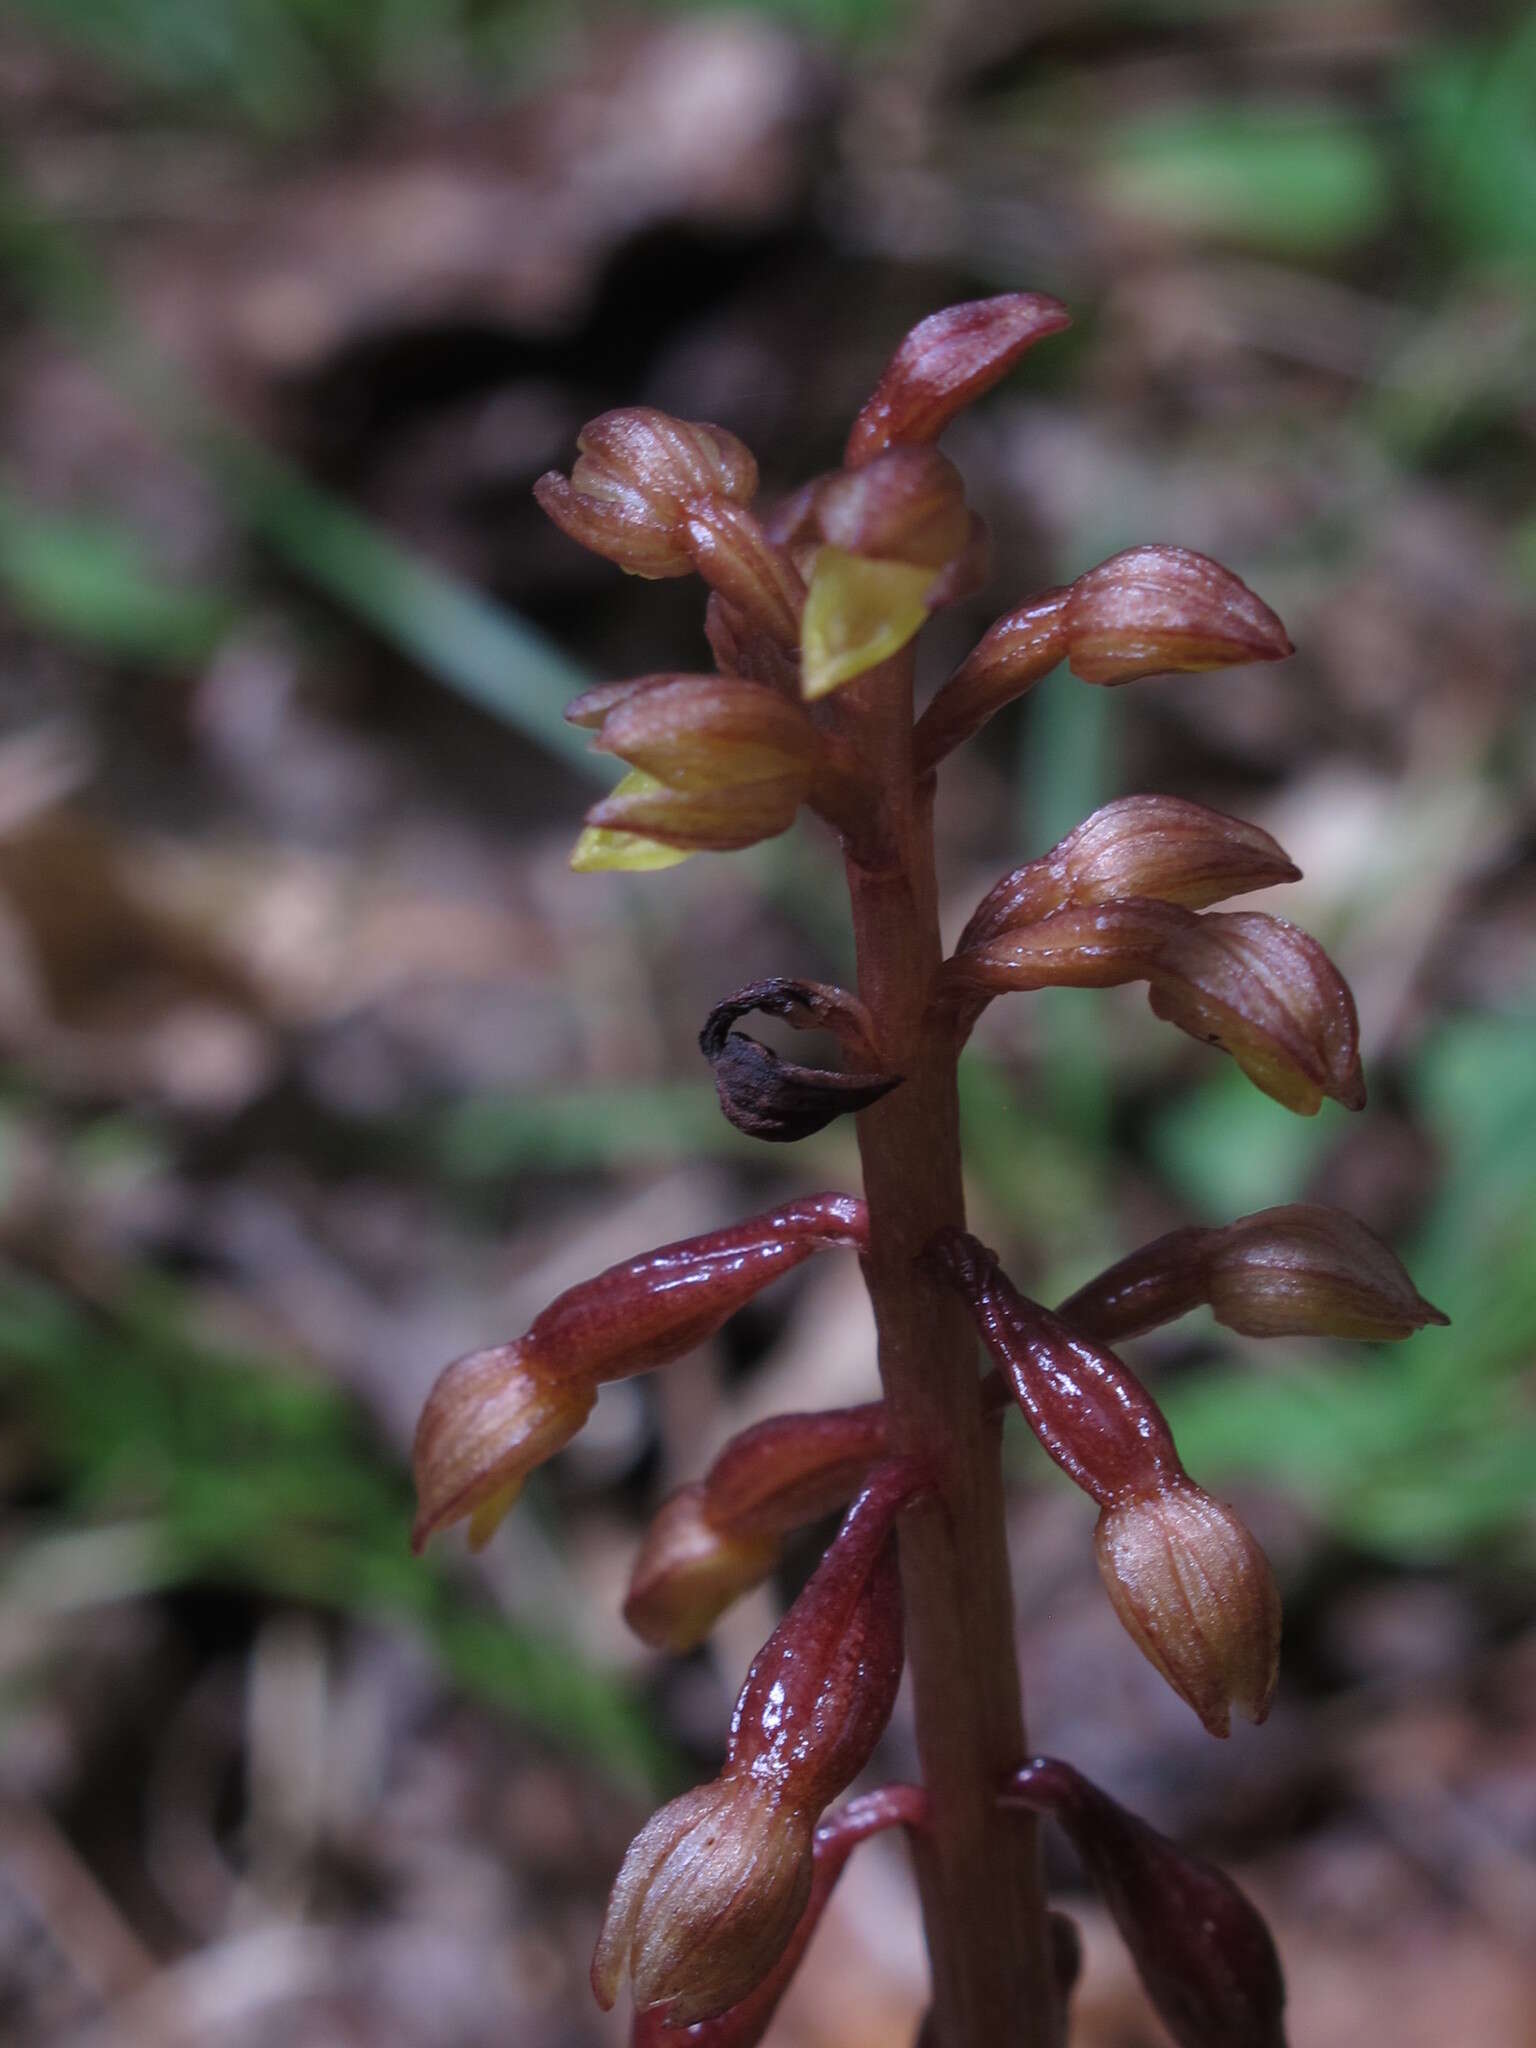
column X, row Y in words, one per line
column 699, row 733
column 1163, row 847
column 791, row 1469
column 714, row 1541
column 1202, row 1951
column 495, row 1415
column 706, row 1900
column 907, row 505
column 1197, row 1597
column 744, row 2025
column 756, row 579
column 1305, row 1270
column 710, row 1894
column 637, row 477
column 1190, row 1584
column 1269, row 995
column 717, row 820
column 689, row 1571
column 945, row 363
column 1144, row 612
column 489, row 1420
column 1298, row 1271
column 1156, row 609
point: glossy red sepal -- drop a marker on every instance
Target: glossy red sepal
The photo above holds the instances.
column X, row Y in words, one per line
column 714, row 1885
column 494, row 1415
column 1200, row 1947
column 1190, row 1584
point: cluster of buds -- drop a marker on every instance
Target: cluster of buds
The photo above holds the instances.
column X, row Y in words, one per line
column 722, row 1889
column 1186, row 1577
column 1117, row 901
column 495, row 1415
column 713, row 1888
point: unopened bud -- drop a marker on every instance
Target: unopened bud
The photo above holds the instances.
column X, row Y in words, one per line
column 495, row 1415
column 1269, row 995
column 1298, row 1271
column 490, row 1419
column 1190, row 1584
column 1196, row 1595
column 700, row 733
column 1305, row 1270
column 745, row 2024
column 1148, row 611
column 1156, row 609
column 689, row 1572
column 706, row 1900
column 637, row 477
column 717, row 820
column 711, row 1892
column 713, row 1541
column 945, row 363
column 1251, row 984
column 1164, row 847
column 1201, row 1949
column 907, row 505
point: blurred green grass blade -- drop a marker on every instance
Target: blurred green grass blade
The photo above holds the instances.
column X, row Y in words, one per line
column 488, row 655
column 90, row 582
column 1473, row 105
column 1289, row 180
column 238, row 1471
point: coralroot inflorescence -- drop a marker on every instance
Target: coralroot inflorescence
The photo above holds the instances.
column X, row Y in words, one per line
column 813, row 610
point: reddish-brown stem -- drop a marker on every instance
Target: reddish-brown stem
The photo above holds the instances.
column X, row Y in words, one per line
column 982, row 1899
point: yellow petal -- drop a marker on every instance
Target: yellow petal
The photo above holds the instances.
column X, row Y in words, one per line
column 487, row 1518
column 858, row 612
column 599, row 849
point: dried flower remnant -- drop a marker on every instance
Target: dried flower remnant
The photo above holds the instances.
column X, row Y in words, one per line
column 776, row 1099
column 1187, row 1579
column 493, row 1416
column 744, row 2025
column 1301, row 1270
column 638, row 474
column 712, row 1889
column 1200, row 1947
column 1149, row 611
column 713, row 1541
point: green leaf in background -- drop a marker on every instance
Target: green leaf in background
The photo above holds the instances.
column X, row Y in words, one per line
column 1474, row 110
column 91, row 582
column 238, row 1471
column 1228, row 1150
column 1289, row 180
